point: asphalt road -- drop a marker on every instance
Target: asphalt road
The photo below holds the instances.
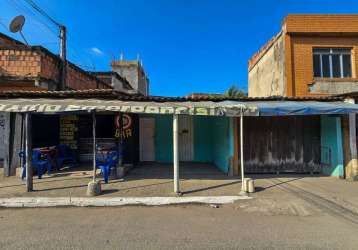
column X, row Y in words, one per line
column 176, row 227
column 287, row 213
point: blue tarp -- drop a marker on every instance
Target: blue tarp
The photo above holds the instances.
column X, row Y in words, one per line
column 282, row 108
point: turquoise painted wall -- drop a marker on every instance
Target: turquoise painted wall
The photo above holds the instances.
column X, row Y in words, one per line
column 164, row 138
column 203, row 138
column 222, row 144
column 331, row 137
column 213, row 140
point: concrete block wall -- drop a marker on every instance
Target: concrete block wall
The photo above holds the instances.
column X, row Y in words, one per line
column 134, row 73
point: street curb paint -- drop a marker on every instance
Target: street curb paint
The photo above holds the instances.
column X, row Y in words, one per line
column 21, row 202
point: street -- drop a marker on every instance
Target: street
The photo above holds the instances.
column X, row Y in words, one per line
column 279, row 218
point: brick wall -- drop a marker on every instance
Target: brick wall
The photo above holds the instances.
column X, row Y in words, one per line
column 302, row 66
column 301, row 33
column 324, row 23
column 26, row 62
column 80, row 80
column 50, row 68
column 20, row 62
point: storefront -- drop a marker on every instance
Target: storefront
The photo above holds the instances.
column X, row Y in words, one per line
column 165, row 129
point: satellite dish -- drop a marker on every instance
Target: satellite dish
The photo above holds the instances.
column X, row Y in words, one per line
column 16, row 26
column 17, row 23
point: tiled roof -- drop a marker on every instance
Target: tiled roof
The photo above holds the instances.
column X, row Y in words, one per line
column 118, row 95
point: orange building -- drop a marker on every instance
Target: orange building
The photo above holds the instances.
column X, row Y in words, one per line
column 312, row 55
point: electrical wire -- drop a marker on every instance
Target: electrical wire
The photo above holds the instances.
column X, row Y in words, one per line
column 4, row 25
column 42, row 12
column 24, row 8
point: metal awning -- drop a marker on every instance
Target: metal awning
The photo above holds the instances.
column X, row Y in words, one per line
column 285, row 108
column 55, row 106
column 208, row 108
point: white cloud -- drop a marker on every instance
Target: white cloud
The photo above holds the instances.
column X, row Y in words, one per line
column 97, row 51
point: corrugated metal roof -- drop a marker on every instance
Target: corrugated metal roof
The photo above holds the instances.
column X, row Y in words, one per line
column 118, row 95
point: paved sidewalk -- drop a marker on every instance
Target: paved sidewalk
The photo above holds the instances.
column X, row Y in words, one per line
column 143, row 181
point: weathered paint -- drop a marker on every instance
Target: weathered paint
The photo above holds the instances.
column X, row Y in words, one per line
column 267, row 75
column 213, row 140
column 331, row 137
column 202, row 139
column 282, row 144
column 163, row 138
column 222, row 143
column 349, row 126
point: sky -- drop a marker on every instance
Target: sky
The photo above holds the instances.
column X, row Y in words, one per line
column 186, row 46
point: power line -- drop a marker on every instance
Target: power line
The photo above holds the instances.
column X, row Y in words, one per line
column 36, row 9
column 23, row 8
column 42, row 12
column 4, row 25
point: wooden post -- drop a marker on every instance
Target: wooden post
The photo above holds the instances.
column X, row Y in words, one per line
column 94, row 144
column 28, row 153
column 176, row 153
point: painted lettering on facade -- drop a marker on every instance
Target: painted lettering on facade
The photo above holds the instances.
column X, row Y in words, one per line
column 127, row 126
column 231, row 110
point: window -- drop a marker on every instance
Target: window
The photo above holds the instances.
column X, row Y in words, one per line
column 332, row 62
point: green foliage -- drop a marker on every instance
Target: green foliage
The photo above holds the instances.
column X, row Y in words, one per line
column 234, row 91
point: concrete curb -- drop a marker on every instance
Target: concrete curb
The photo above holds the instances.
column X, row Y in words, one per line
column 20, row 202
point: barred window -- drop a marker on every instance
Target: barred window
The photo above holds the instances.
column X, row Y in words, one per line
column 332, row 62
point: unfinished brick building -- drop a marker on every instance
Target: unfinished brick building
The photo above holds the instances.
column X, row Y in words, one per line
column 34, row 67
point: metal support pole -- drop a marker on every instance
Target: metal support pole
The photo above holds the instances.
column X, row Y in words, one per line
column 94, row 144
column 28, row 153
column 176, row 153
column 242, row 152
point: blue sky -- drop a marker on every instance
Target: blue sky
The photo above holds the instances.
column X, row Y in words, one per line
column 186, row 45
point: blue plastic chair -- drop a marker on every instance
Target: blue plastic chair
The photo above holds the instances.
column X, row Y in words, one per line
column 106, row 165
column 64, row 154
column 37, row 163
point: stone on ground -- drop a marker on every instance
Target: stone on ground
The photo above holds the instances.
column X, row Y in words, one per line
column 94, row 188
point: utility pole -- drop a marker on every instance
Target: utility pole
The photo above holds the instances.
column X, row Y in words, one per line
column 63, row 83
